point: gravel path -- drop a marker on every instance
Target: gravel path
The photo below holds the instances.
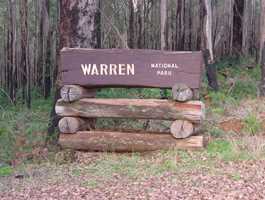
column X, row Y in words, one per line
column 241, row 180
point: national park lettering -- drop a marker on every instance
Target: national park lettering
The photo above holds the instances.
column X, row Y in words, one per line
column 124, row 69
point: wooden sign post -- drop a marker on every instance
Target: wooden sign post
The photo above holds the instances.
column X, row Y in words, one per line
column 85, row 70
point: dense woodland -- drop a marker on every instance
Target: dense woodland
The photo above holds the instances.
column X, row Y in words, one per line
column 33, row 32
column 227, row 120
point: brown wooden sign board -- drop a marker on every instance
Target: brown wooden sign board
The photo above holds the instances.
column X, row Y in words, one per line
column 130, row 68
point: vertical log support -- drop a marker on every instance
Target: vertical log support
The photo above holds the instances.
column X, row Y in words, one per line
column 181, row 93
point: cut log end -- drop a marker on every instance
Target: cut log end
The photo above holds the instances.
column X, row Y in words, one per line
column 73, row 125
column 71, row 93
column 181, row 129
column 181, row 93
column 128, row 142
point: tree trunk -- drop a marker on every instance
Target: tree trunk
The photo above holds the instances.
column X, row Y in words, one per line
column 127, row 142
column 79, row 27
column 131, row 25
column 13, row 55
column 163, row 21
column 25, row 67
column 262, row 48
column 163, row 15
column 208, row 45
column 237, row 24
column 48, row 40
column 247, row 26
column 262, row 32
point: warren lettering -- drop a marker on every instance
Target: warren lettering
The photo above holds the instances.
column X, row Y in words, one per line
column 108, row 70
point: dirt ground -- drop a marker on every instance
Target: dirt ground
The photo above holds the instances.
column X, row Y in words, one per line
column 206, row 180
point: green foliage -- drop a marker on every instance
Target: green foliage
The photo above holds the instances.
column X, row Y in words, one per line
column 131, row 93
column 216, row 132
column 243, row 89
column 235, row 176
column 110, row 165
column 226, row 151
column 219, row 99
column 17, row 122
column 252, row 125
column 238, row 78
column 7, row 142
column 219, row 147
column 90, row 184
column 219, row 111
column 5, row 171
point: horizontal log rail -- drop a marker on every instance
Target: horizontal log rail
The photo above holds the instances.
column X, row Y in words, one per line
column 193, row 111
column 104, row 141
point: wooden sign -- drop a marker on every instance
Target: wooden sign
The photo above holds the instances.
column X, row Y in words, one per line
column 130, row 68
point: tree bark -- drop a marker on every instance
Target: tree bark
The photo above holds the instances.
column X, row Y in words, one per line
column 262, row 48
column 133, row 108
column 163, row 42
column 247, row 27
column 79, row 27
column 208, row 45
column 131, row 25
column 262, row 33
column 209, row 29
column 24, row 51
column 163, row 15
column 127, row 142
column 13, row 54
column 237, row 24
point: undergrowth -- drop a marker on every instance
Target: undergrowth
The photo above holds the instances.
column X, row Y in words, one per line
column 238, row 79
column 22, row 129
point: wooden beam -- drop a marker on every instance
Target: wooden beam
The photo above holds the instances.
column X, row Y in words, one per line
column 193, row 111
column 127, row 142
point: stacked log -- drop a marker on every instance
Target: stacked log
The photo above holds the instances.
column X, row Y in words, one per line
column 108, row 141
column 77, row 107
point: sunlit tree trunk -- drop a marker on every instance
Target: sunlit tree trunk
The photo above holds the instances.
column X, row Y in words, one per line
column 208, row 45
column 163, row 18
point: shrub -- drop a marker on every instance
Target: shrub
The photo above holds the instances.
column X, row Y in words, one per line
column 252, row 125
